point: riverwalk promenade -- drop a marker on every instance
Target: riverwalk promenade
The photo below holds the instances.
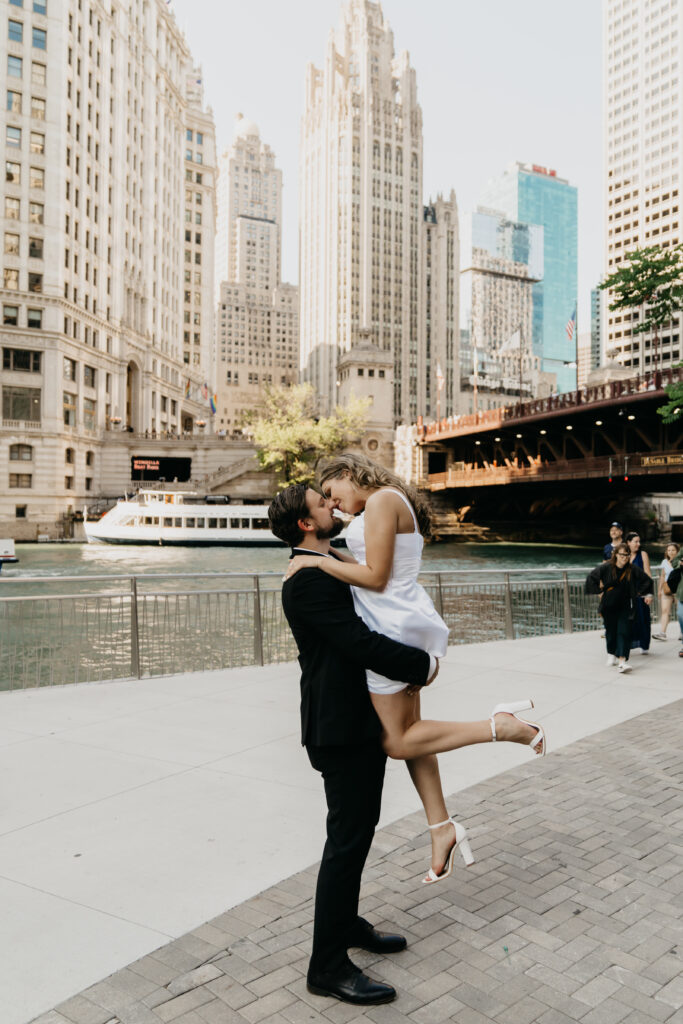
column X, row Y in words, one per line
column 159, row 840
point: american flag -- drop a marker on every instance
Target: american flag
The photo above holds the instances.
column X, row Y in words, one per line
column 440, row 380
column 571, row 325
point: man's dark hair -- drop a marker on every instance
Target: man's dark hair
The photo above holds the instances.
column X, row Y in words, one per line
column 285, row 511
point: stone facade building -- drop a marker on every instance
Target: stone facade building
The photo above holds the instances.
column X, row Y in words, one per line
column 94, row 255
column 257, row 324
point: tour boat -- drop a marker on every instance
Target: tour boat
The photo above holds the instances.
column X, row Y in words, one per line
column 7, row 555
column 180, row 517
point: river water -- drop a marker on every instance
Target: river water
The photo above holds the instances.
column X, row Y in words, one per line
column 55, row 560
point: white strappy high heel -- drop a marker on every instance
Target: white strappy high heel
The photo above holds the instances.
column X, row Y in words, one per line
column 461, row 843
column 538, row 741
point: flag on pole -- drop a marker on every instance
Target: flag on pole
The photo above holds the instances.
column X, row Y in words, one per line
column 187, row 388
column 205, row 391
column 571, row 325
column 213, row 402
column 513, row 344
column 440, row 380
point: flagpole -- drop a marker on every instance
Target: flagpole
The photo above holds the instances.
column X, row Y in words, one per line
column 521, row 350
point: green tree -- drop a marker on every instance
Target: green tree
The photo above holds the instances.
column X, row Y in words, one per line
column 651, row 284
column 673, row 409
column 290, row 437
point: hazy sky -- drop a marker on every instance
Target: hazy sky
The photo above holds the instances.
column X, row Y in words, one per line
column 497, row 81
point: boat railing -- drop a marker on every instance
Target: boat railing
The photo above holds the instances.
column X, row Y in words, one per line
column 78, row 629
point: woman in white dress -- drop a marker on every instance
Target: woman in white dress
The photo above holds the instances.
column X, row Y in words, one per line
column 386, row 541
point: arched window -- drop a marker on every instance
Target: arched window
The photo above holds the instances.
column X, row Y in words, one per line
column 89, row 458
column 20, row 453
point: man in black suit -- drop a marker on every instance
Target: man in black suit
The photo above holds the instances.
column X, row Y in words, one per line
column 342, row 736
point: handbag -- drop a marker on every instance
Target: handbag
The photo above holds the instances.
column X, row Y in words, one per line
column 673, row 580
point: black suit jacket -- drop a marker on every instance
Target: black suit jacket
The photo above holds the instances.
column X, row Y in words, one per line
column 335, row 648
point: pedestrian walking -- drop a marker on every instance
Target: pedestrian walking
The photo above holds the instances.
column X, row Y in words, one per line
column 621, row 584
column 640, row 630
column 667, row 600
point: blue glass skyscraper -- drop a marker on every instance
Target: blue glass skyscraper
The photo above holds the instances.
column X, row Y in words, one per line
column 534, row 195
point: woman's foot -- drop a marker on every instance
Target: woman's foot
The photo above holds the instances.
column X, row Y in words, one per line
column 514, row 730
column 447, row 836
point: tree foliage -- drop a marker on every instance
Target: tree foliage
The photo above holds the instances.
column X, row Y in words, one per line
column 673, row 409
column 650, row 282
column 290, row 437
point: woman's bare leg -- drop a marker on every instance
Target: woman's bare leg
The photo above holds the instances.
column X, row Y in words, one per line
column 406, row 737
column 424, row 772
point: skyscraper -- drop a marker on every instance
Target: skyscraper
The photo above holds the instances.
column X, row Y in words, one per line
column 596, row 357
column 531, row 194
column 439, row 365
column 98, row 104
column 361, row 213
column 501, row 262
column 643, row 111
column 257, row 326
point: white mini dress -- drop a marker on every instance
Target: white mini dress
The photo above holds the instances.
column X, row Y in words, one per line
column 403, row 610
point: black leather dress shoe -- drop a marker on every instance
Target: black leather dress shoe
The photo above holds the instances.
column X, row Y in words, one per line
column 351, row 986
column 364, row 936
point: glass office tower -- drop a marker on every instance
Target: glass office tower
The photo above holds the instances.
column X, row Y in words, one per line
column 534, row 195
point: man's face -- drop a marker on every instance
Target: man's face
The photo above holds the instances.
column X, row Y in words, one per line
column 615, row 533
column 320, row 512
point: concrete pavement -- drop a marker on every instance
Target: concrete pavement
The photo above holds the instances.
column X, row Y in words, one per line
column 134, row 812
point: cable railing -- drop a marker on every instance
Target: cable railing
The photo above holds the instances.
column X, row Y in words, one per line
column 76, row 629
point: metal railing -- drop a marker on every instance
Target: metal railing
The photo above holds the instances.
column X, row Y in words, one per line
column 97, row 628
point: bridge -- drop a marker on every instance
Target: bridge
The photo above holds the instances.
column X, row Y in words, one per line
column 600, row 435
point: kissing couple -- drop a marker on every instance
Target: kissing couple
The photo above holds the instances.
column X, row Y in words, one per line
column 369, row 639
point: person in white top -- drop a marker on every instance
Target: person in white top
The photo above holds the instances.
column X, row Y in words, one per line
column 386, row 541
column 667, row 600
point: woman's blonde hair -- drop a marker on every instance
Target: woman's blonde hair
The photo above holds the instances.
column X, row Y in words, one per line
column 366, row 473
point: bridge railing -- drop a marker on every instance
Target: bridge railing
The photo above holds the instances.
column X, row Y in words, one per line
column 569, row 400
column 98, row 628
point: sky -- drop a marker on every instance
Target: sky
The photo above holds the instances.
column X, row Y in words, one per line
column 497, row 82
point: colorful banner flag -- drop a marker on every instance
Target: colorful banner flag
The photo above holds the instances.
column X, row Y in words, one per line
column 440, row 379
column 213, row 402
column 187, row 388
column 205, row 391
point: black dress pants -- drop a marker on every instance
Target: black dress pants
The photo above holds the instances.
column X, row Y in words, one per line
column 353, row 778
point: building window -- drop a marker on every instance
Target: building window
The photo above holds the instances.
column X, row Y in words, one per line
column 188, row 134
column 39, row 39
column 40, row 6
column 37, row 177
column 37, row 108
column 13, row 102
column 25, row 360
column 20, row 453
column 17, row 3
column 89, row 413
column 68, row 483
column 20, row 480
column 88, row 483
column 15, row 31
column 69, row 456
column 89, row 376
column 12, row 172
column 11, row 278
column 38, row 73
column 35, row 248
column 200, row 139
column 20, row 511
column 10, row 317
column 14, row 67
column 11, row 208
column 34, row 319
column 69, row 409
column 13, row 137
column 36, row 213
column 89, row 458
column 21, row 404
column 37, row 142
column 69, row 369
column 35, row 282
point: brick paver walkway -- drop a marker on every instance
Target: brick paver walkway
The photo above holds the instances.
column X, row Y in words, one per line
column 573, row 911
